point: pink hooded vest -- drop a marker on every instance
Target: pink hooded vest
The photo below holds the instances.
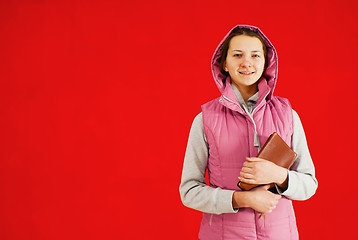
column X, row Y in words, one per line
column 233, row 135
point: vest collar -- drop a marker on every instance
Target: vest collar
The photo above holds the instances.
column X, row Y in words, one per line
column 229, row 99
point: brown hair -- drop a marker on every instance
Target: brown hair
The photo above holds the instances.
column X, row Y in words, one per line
column 226, row 44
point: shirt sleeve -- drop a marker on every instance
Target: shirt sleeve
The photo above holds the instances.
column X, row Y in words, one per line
column 302, row 183
column 194, row 191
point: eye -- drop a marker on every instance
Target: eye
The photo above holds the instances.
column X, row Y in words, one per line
column 237, row 55
column 255, row 55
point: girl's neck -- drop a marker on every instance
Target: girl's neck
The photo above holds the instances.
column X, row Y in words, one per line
column 247, row 91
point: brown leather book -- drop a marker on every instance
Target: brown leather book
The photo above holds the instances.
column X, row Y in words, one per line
column 276, row 151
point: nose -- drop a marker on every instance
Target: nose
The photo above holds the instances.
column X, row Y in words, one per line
column 246, row 62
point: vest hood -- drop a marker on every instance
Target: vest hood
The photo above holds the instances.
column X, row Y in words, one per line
column 269, row 75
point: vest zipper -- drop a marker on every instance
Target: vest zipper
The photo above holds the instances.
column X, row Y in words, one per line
column 256, row 136
column 211, row 218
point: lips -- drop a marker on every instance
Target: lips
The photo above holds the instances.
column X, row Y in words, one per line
column 246, row 72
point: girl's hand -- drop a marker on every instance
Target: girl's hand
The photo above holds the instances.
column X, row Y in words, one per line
column 258, row 199
column 260, row 171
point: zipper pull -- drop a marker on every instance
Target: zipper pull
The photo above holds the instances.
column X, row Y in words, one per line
column 257, row 141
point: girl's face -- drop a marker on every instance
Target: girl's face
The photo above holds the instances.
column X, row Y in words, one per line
column 245, row 61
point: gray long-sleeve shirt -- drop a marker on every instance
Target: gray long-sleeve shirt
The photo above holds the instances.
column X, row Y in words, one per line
column 194, row 192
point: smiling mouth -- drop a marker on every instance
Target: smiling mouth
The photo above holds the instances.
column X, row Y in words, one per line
column 246, row 73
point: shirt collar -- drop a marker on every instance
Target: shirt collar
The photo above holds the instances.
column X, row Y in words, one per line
column 251, row 102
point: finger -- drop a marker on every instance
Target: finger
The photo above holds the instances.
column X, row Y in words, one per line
column 246, row 180
column 254, row 159
column 246, row 175
column 248, row 164
column 246, row 170
column 277, row 196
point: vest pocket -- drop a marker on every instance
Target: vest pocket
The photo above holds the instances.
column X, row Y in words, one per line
column 211, row 227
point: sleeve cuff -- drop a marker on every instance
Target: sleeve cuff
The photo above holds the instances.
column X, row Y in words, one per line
column 226, row 199
column 291, row 185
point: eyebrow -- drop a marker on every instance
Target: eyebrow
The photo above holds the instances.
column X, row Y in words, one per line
column 237, row 50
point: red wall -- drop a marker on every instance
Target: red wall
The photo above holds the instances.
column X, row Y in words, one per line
column 97, row 99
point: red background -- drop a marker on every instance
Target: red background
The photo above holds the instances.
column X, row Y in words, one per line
column 97, row 99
